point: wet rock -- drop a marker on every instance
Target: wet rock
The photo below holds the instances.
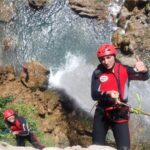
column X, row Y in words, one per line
column 123, row 16
column 147, row 8
column 117, row 38
column 7, row 11
column 130, row 4
column 148, row 19
column 122, row 22
column 37, row 4
column 7, row 43
column 88, row 8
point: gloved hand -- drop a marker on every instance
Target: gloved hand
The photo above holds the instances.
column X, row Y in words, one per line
column 114, row 95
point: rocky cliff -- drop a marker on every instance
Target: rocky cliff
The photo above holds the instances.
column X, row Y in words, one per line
column 133, row 25
column 56, row 114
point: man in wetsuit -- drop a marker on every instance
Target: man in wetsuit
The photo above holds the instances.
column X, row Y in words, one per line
column 110, row 82
column 19, row 127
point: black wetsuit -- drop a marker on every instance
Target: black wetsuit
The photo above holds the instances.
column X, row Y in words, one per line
column 107, row 114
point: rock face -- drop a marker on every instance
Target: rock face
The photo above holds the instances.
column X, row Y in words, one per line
column 5, row 146
column 7, row 12
column 90, row 8
column 55, row 114
column 132, row 35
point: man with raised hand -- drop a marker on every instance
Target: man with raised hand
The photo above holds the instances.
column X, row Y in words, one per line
column 109, row 86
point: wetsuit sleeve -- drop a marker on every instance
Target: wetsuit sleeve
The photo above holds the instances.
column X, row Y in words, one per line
column 95, row 93
column 25, row 128
column 134, row 75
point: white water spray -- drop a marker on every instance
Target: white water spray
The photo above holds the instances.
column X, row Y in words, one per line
column 114, row 7
column 74, row 76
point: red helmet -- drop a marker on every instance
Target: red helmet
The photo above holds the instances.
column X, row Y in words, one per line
column 106, row 49
column 8, row 113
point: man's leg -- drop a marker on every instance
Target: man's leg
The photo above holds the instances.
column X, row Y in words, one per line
column 122, row 135
column 20, row 141
column 100, row 128
column 34, row 141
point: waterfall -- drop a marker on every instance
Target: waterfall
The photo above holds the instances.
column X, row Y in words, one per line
column 74, row 76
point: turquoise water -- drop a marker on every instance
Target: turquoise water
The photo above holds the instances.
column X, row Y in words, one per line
column 48, row 35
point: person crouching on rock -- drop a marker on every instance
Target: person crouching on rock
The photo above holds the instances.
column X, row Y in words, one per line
column 19, row 127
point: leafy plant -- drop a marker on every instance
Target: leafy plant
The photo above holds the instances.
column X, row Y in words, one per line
column 3, row 102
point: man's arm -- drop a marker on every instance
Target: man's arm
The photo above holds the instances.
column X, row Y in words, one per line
column 25, row 127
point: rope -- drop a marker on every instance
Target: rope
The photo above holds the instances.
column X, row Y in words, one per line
column 133, row 110
column 93, row 106
column 136, row 110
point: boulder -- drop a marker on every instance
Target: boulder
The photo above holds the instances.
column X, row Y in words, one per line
column 131, row 4
column 35, row 75
column 7, row 11
column 7, row 43
column 91, row 9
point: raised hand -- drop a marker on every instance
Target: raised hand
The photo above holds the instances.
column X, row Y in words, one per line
column 139, row 65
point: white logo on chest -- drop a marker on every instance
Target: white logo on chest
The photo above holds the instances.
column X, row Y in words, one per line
column 103, row 78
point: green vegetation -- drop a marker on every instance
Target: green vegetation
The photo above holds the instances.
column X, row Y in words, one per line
column 26, row 110
column 4, row 131
column 3, row 102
